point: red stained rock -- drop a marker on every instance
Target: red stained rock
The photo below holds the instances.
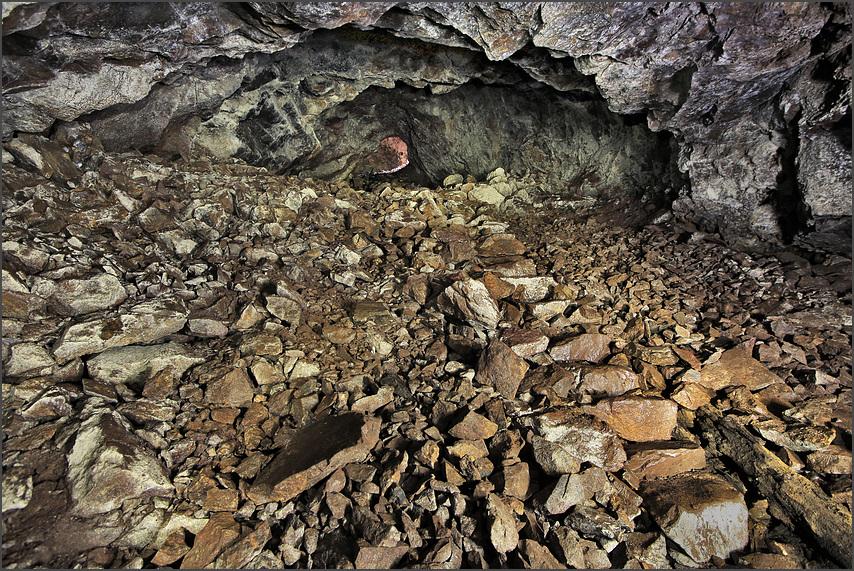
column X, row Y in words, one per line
column 220, row 532
column 501, row 368
column 636, row 418
column 591, row 347
column 736, row 367
column 313, row 453
column 663, row 459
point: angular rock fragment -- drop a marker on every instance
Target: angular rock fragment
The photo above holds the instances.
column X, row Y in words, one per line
column 232, row 389
column 245, row 549
column 830, row 460
column 499, row 367
column 692, row 395
column 502, row 525
column 79, row 296
column 136, row 364
column 220, row 532
column 29, row 360
column 473, row 427
column 108, row 465
column 591, row 347
column 524, row 342
column 702, row 513
column 736, row 367
column 573, row 489
column 143, row 323
column 663, row 459
column 567, row 438
column 470, row 301
column 531, row 289
column 660, row 356
column 636, row 418
column 798, row 437
column 314, row 452
column 610, row 380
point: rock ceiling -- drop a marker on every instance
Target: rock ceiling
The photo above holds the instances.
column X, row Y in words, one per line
column 756, row 96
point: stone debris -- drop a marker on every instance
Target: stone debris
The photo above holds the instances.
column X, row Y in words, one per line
column 306, row 374
column 704, row 514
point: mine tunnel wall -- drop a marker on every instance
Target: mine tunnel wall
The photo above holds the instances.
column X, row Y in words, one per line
column 755, row 96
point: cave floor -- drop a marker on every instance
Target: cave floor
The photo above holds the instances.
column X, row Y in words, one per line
column 185, row 346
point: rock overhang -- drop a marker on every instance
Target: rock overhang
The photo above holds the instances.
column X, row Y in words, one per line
column 755, row 96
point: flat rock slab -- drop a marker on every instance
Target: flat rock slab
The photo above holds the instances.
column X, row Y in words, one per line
column 313, row 453
column 797, row 436
column 136, row 364
column 703, row 514
column 108, row 465
column 636, row 418
column 501, row 368
column 470, row 301
column 736, row 367
column 591, row 347
column 567, row 438
column 144, row 323
column 663, row 459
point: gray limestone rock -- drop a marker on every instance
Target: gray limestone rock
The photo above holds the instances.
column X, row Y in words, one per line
column 107, row 465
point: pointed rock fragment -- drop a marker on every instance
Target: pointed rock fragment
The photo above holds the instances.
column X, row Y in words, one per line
column 702, row 513
column 313, row 453
column 637, row 418
column 501, row 368
column 736, row 367
column 470, row 301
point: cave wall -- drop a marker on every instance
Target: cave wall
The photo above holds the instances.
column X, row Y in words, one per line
column 757, row 95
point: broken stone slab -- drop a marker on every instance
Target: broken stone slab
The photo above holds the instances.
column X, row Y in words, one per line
column 285, row 309
column 365, row 311
column 573, row 489
column 79, row 296
column 796, row 436
column 246, row 548
column 29, row 360
column 799, row 502
column 660, row 356
column 704, row 514
column 525, row 342
column 380, row 557
column 567, row 437
column 830, row 460
column 145, row 322
column 220, row 532
column 637, row 418
column 590, row 347
column 108, row 465
column 499, row 367
column 136, row 364
column 313, row 453
column 473, row 427
column 531, row 289
column 736, row 367
column 692, row 395
column 610, row 380
column 470, row 301
column 232, row 389
column 502, row 525
column 663, row 459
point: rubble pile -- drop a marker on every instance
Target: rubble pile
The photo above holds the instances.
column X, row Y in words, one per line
column 206, row 364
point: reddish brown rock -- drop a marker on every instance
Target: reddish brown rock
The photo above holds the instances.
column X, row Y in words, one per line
column 525, row 342
column 736, row 367
column 173, row 549
column 611, row 380
column 246, row 548
column 539, row 556
column 497, row 288
column 501, row 368
column 573, row 489
column 220, row 532
column 221, row 500
column 473, row 427
column 313, row 453
column 590, row 347
column 660, row 356
column 567, row 438
column 232, row 389
column 702, row 513
column 692, row 395
column 371, row 557
column 636, row 418
column 663, row 459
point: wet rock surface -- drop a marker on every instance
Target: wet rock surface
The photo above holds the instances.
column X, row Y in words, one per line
column 333, row 377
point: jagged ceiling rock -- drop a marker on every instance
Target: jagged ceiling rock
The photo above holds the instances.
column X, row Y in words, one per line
column 757, row 95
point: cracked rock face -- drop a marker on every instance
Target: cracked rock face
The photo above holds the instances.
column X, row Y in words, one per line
column 739, row 112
